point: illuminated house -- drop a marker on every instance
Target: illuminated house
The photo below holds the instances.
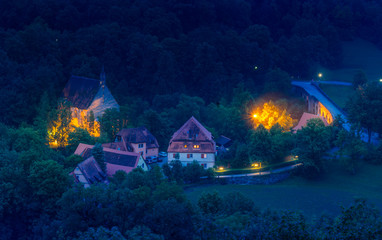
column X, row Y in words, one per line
column 192, row 142
column 87, row 97
column 138, row 140
column 115, row 161
column 317, row 101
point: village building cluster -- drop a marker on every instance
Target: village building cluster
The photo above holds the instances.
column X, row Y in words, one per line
column 137, row 147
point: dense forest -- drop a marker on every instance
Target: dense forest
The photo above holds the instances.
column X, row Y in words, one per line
column 166, row 61
column 149, row 48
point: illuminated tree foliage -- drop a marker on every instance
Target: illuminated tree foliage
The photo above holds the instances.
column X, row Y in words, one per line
column 59, row 127
column 270, row 114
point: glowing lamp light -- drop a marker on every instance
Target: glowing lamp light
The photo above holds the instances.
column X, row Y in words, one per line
column 380, row 80
column 255, row 67
column 256, row 165
column 320, row 75
column 255, row 115
column 221, row 168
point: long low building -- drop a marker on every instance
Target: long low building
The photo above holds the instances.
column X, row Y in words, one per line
column 88, row 171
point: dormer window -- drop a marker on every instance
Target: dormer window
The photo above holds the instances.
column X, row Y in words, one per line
column 140, row 145
column 196, row 146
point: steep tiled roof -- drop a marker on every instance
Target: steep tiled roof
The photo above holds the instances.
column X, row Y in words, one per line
column 122, row 158
column 192, row 129
column 115, row 145
column 80, row 91
column 139, row 135
column 115, row 159
column 304, row 120
column 81, row 148
column 91, row 170
column 190, row 134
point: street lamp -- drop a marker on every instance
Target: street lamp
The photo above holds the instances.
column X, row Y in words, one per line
column 320, row 75
column 256, row 165
column 380, row 80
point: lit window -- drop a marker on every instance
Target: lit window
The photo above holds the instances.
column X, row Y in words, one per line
column 204, row 155
column 185, row 145
column 196, row 146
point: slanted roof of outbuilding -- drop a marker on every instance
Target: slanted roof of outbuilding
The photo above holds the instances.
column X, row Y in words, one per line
column 92, row 171
column 139, row 135
column 305, row 118
column 80, row 91
column 223, row 141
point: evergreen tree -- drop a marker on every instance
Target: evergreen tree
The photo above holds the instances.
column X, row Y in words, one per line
column 99, row 156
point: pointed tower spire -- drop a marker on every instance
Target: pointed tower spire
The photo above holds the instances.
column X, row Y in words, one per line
column 102, row 83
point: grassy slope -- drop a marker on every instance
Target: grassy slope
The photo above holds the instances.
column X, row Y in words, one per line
column 313, row 198
column 339, row 94
column 357, row 55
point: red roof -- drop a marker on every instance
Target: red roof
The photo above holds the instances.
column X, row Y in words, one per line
column 304, row 120
column 115, row 159
column 190, row 134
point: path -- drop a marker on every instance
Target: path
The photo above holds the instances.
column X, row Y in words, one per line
column 336, row 83
column 279, row 170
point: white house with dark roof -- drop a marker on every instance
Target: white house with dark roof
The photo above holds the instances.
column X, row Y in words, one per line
column 87, row 94
column 192, row 142
column 138, row 140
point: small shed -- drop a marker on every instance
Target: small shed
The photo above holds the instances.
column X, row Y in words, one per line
column 304, row 120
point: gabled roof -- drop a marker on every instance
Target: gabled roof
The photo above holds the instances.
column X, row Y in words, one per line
column 139, row 135
column 190, row 134
column 92, row 171
column 223, row 141
column 80, row 91
column 81, row 148
column 192, row 130
column 115, row 145
column 115, row 159
column 304, row 120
